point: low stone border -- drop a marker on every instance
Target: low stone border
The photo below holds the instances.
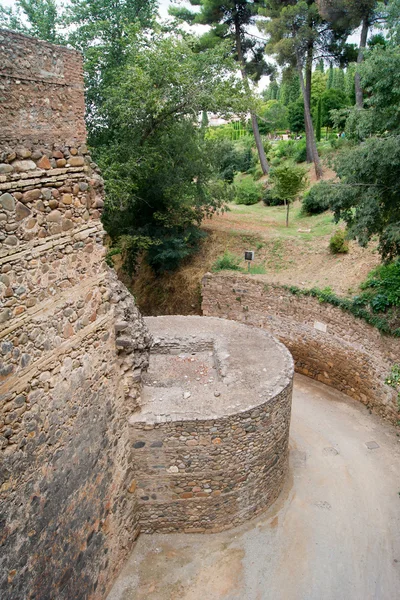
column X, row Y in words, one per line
column 327, row 344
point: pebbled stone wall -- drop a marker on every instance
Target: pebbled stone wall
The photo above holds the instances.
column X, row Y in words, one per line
column 327, row 344
column 68, row 514
column 210, row 442
column 211, row 474
column 41, row 89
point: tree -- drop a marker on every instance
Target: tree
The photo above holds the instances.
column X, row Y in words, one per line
column 101, row 30
column 332, row 100
column 318, row 87
column 290, row 86
column 272, row 116
column 271, row 92
column 229, row 21
column 393, row 22
column 329, row 83
column 157, row 163
column 39, row 18
column 296, row 116
column 296, row 33
column 319, row 120
column 338, row 80
column 380, row 77
column 352, row 14
column 349, row 83
column 368, row 195
column 289, row 180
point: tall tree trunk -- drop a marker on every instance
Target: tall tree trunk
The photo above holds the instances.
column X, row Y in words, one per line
column 360, row 58
column 309, row 61
column 308, row 122
column 256, row 132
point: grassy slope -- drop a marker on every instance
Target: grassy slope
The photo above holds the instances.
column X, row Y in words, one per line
column 297, row 255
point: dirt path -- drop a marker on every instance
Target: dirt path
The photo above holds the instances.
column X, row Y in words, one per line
column 332, row 535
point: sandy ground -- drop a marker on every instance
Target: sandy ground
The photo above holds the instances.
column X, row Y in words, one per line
column 334, row 533
column 298, row 261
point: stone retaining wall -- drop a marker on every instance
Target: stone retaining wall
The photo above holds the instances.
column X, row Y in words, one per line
column 217, row 459
column 210, row 475
column 68, row 516
column 327, row 344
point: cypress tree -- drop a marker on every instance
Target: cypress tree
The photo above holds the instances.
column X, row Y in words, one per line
column 319, row 120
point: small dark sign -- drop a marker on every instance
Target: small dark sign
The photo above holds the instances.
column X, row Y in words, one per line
column 249, row 255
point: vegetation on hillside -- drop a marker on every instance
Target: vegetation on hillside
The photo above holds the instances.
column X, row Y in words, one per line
column 151, row 88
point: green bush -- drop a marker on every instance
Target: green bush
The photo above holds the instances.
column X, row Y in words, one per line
column 357, row 306
column 227, row 261
column 271, row 198
column 247, row 191
column 316, row 200
column 231, row 157
column 285, row 149
column 338, row 244
column 383, row 283
column 275, row 162
column 300, row 153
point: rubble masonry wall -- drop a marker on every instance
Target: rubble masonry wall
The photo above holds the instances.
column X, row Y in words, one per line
column 68, row 513
column 327, row 344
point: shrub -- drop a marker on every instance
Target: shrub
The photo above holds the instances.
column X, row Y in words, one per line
column 247, row 191
column 231, row 157
column 300, row 153
column 275, row 162
column 285, row 149
column 316, row 200
column 256, row 172
column 394, row 381
column 271, row 198
column 384, row 283
column 338, row 244
column 227, row 261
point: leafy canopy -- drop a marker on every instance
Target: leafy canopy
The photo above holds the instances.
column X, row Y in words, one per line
column 39, row 18
column 368, row 195
column 158, row 166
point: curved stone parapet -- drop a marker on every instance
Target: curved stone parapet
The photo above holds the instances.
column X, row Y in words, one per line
column 210, row 441
column 326, row 343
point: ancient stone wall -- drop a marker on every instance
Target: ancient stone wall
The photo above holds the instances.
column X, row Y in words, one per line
column 211, row 440
column 210, row 475
column 41, row 90
column 72, row 344
column 327, row 344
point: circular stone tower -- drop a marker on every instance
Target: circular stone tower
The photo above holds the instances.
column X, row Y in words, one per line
column 210, row 440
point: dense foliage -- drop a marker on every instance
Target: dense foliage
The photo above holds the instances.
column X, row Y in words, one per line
column 368, row 195
column 316, row 199
column 246, row 190
column 157, row 163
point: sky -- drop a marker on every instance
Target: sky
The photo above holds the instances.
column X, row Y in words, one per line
column 163, row 10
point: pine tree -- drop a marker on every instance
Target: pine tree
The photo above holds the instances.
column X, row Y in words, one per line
column 290, row 87
column 354, row 14
column 229, row 21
